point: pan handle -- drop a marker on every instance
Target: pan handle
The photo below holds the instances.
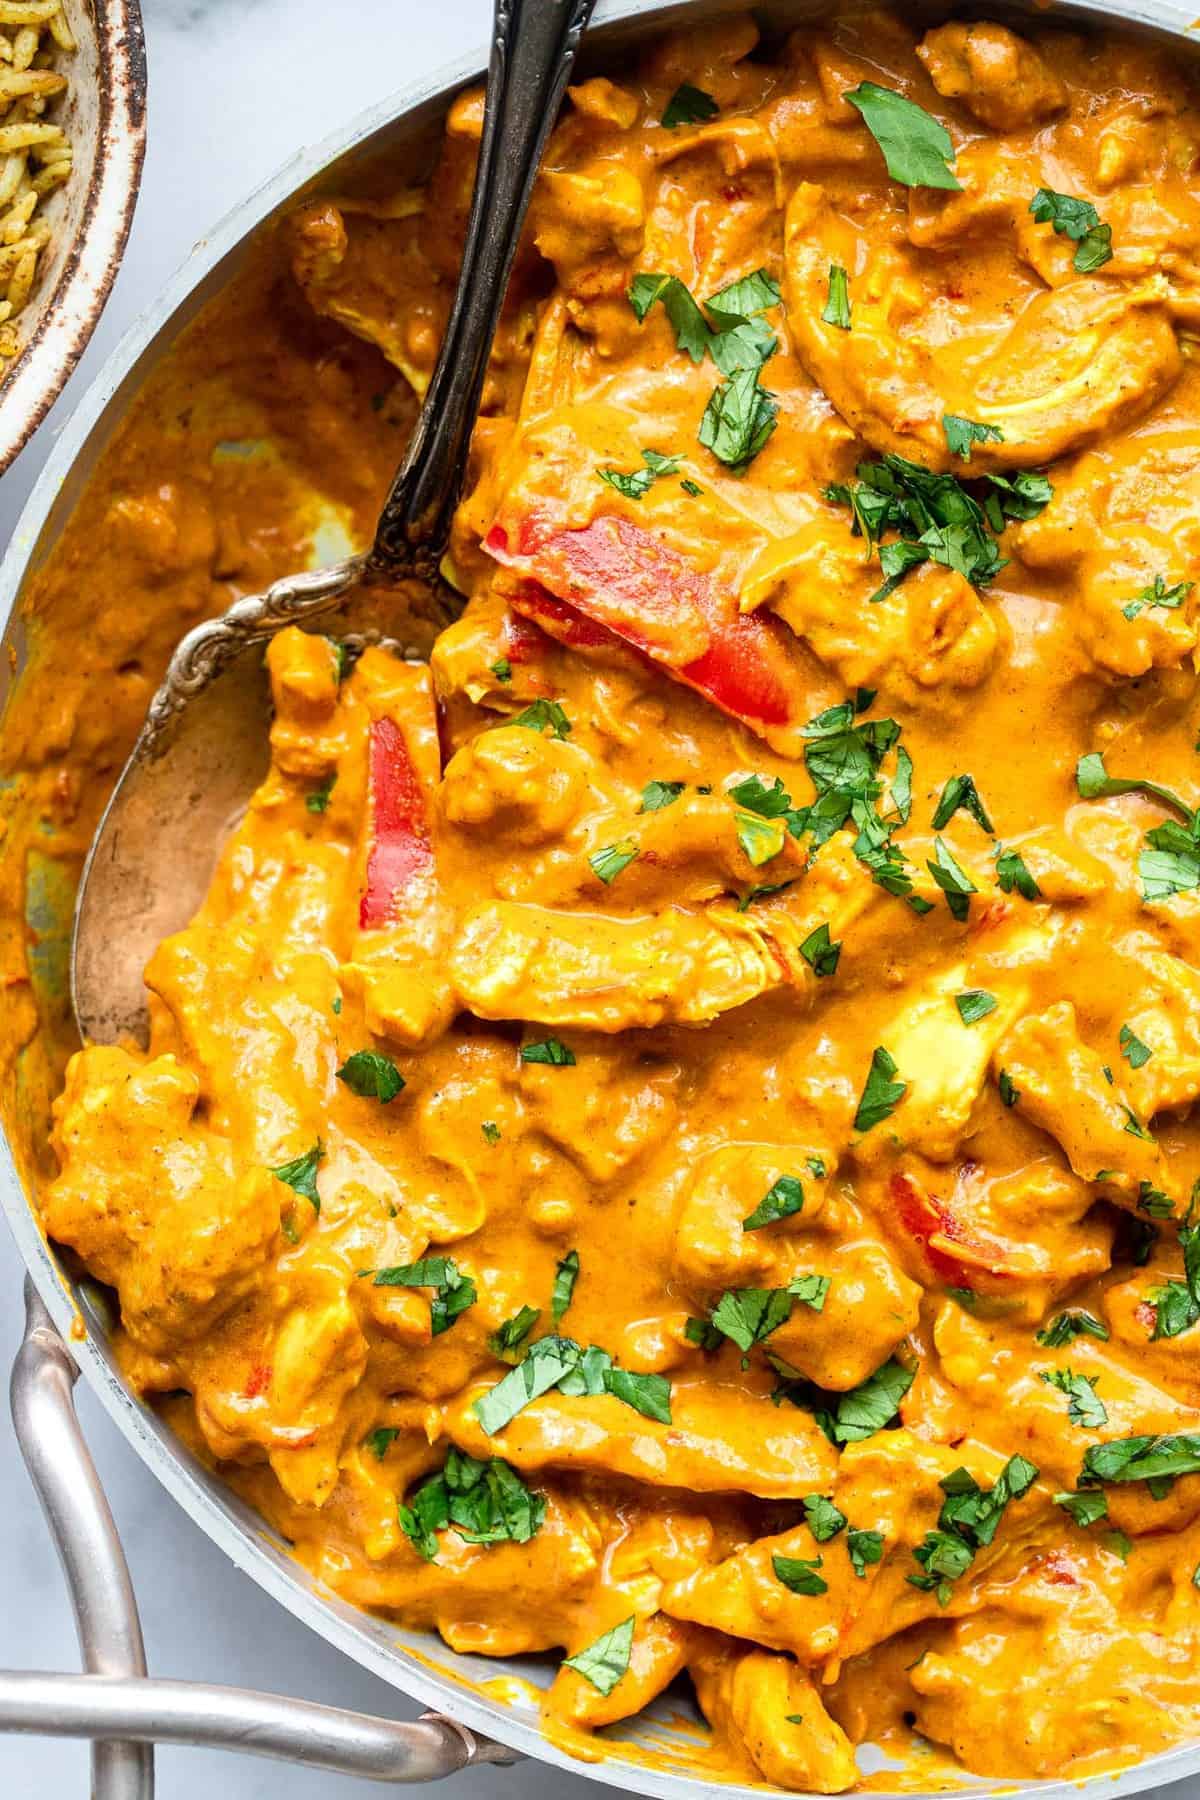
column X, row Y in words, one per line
column 114, row 1703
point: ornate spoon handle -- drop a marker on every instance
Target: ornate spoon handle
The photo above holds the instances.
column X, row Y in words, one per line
column 533, row 49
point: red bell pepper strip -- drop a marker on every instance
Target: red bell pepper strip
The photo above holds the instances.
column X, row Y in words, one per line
column 622, row 577
column 529, row 600
column 933, row 1224
column 400, row 845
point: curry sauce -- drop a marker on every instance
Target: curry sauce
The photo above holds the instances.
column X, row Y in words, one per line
column 669, row 1139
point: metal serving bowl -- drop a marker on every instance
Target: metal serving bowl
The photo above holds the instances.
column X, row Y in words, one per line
column 104, row 115
column 656, row 1754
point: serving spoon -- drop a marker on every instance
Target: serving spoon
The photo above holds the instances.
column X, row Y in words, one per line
column 203, row 747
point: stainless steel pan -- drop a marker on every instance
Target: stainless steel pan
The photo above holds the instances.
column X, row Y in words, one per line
column 114, row 1703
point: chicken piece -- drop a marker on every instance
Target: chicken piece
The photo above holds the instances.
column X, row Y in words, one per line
column 603, row 1115
column 944, row 1062
column 1166, row 1018
column 933, row 631
column 767, row 1712
column 889, row 1484
column 182, row 1232
column 1000, row 79
column 1123, row 529
column 720, row 1439
column 359, row 262
column 512, row 961
column 997, row 1378
column 1077, row 361
column 305, row 739
column 1064, row 1089
column 661, row 1650
column 712, row 1248
column 1053, row 1657
column 514, row 786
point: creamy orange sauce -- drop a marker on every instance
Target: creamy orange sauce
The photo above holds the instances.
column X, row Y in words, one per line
column 893, row 1229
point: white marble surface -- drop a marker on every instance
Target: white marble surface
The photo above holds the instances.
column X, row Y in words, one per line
column 236, row 87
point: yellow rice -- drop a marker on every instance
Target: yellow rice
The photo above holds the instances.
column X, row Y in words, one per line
column 35, row 153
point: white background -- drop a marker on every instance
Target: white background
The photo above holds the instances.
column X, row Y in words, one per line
column 236, row 86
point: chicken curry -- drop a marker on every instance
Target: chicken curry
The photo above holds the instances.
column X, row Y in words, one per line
column 669, row 1140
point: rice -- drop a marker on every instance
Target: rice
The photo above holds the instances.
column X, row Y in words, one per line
column 35, row 153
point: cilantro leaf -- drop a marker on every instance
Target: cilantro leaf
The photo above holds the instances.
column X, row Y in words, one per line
column 748, row 1315
column 961, row 793
column 491, row 1131
column 649, row 1395
column 658, row 794
column 1070, row 1325
column 1012, row 871
column 501, row 669
column 1078, row 220
column 881, row 1094
column 1083, row 1405
column 975, row 1004
column 836, row 310
column 873, row 1404
column 566, row 1274
column 1009, row 1092
column 760, row 839
column 633, row 486
column 822, row 1517
column 691, row 328
column 547, row 1361
column 371, row 1075
column 544, row 715
column 743, row 299
column 301, row 1174
column 799, row 1575
column 1141, row 1458
column 783, row 1198
column 1176, row 1310
column 1085, row 1509
column 954, row 882
column 811, row 1290
column 738, row 420
column 550, row 1050
column 1136, row 1054
column 688, row 105
column 454, row 1292
column 821, row 952
column 512, row 1333
column 1158, row 594
column 604, row 1662
column 865, row 1548
column 1094, row 783
column 607, row 864
column 962, row 433
column 380, row 1441
column 318, row 800
column 917, row 149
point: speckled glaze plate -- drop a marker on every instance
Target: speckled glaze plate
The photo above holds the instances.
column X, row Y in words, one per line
column 656, row 1754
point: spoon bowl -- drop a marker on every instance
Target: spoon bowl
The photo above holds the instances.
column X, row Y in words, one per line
column 203, row 747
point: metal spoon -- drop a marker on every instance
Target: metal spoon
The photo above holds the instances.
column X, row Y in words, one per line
column 203, row 748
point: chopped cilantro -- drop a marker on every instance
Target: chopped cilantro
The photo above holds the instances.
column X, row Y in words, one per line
column 783, row 1198
column 566, row 1273
column 821, row 952
column 955, row 884
column 881, row 1094
column 822, row 1517
column 1077, row 220
column 961, row 793
column 962, row 433
column 633, row 486
column 975, row 1004
column 453, row 1293
column 371, row 1075
column 837, row 307
column 1084, row 1407
column 549, row 1050
column 1136, row 1054
column 657, row 794
column 917, row 148
column 542, row 716
column 688, row 105
column 301, row 1174
column 604, row 1662
column 607, row 864
column 799, row 1575
column 1069, row 1325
